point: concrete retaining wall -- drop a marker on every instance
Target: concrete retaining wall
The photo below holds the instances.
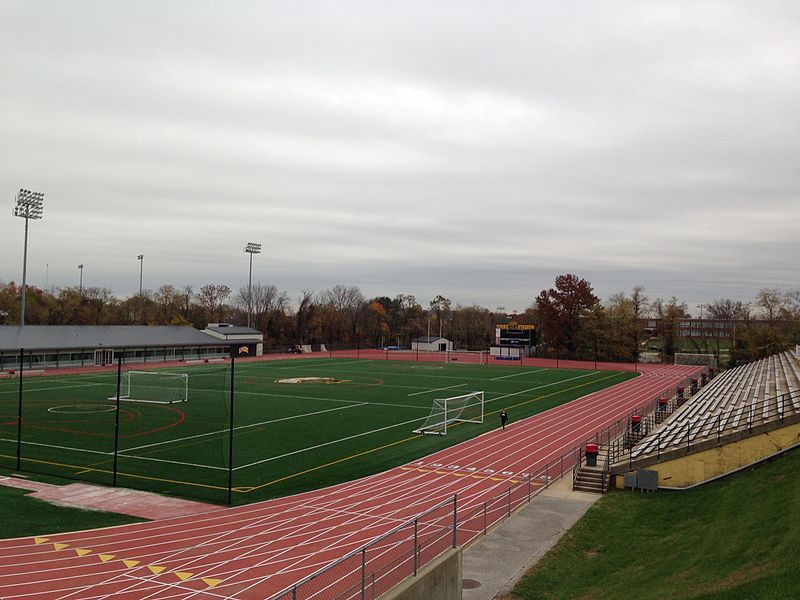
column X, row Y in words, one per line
column 704, row 465
column 439, row 580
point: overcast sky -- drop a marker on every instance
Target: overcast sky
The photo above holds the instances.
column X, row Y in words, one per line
column 472, row 149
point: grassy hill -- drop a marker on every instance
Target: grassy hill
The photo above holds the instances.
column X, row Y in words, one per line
column 738, row 538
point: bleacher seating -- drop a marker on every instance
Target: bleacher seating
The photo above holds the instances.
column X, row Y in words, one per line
column 749, row 395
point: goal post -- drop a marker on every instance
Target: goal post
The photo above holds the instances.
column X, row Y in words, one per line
column 156, row 387
column 467, row 408
column 466, row 357
column 690, row 358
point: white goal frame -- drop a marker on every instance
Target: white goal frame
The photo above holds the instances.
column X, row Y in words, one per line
column 445, row 411
column 181, row 387
column 452, row 357
column 695, row 358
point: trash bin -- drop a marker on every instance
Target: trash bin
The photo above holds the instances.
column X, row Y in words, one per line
column 711, row 372
column 591, row 455
column 695, row 384
column 636, row 423
column 662, row 403
column 703, row 379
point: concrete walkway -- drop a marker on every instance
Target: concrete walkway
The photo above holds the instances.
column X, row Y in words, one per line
column 499, row 559
column 135, row 503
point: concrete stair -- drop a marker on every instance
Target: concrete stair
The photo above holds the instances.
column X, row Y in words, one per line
column 590, row 479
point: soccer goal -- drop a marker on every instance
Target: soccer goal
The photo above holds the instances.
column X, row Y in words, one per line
column 467, row 408
column 154, row 386
column 688, row 358
column 465, row 357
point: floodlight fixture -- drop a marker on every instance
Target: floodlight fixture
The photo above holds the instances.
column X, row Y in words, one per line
column 29, row 205
column 251, row 248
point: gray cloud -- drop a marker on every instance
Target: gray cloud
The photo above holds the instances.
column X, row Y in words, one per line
column 470, row 148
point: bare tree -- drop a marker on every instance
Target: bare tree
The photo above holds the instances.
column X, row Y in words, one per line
column 726, row 308
column 770, row 301
column 212, row 297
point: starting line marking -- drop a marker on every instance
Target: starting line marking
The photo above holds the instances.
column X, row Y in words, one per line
column 455, row 474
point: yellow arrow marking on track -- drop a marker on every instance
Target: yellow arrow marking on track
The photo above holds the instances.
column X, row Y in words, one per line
column 130, row 563
column 156, row 569
column 183, row 575
column 82, row 551
column 105, row 557
column 38, row 541
column 58, row 546
column 212, row 582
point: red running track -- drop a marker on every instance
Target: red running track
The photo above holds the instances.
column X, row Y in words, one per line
column 258, row 550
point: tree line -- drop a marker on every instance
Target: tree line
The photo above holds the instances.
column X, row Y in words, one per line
column 571, row 321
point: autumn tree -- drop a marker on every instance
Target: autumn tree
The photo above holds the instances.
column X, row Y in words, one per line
column 560, row 310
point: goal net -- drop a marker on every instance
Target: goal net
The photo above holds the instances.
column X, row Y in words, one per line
column 688, row 358
column 468, row 357
column 467, row 408
column 154, row 386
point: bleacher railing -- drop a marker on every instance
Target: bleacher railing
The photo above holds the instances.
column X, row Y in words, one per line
column 710, row 427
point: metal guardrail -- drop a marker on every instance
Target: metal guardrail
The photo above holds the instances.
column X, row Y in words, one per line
column 376, row 567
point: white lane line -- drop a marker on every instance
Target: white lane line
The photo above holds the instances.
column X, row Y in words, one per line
column 517, row 374
column 449, row 387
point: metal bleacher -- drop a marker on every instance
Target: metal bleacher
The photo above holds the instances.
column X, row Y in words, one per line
column 754, row 394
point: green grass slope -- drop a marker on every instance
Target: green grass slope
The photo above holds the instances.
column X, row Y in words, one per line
column 738, row 538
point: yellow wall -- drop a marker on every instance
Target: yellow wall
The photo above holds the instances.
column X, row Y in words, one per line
column 707, row 464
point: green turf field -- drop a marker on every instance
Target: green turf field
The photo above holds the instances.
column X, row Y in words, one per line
column 287, row 437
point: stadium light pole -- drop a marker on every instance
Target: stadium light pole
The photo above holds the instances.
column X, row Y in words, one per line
column 141, row 264
column 251, row 248
column 80, row 282
column 140, row 258
column 29, row 206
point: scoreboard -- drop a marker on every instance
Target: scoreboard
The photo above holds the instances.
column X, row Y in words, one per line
column 515, row 334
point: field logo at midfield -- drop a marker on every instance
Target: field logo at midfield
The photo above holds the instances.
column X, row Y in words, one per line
column 310, row 380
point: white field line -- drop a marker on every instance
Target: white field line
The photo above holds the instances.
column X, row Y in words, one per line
column 539, row 387
column 450, row 387
column 240, row 427
column 330, row 362
column 518, row 374
column 110, row 454
column 344, row 439
column 29, row 390
column 266, row 460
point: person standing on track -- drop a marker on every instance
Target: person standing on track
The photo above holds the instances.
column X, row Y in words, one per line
column 503, row 418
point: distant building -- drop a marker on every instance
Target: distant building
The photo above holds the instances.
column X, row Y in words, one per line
column 237, row 335
column 432, row 344
column 53, row 346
